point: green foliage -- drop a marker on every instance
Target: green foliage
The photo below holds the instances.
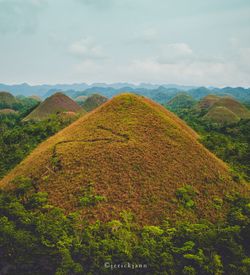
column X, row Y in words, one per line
column 88, row 198
column 36, row 238
column 186, row 194
column 229, row 142
column 217, row 202
column 18, row 139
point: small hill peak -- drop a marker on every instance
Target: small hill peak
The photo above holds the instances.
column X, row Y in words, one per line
column 93, row 101
column 57, row 103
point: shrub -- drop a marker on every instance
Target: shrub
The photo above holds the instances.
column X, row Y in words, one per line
column 186, row 195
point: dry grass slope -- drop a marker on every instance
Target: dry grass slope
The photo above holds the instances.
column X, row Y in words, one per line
column 221, row 114
column 208, row 101
column 57, row 103
column 136, row 154
column 234, row 106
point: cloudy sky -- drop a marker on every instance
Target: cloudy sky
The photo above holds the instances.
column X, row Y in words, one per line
column 192, row 42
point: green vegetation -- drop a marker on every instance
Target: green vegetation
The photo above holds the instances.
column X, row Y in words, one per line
column 18, row 139
column 7, row 100
column 92, row 102
column 88, row 198
column 230, row 142
column 186, row 195
column 22, row 105
column 181, row 100
column 37, row 238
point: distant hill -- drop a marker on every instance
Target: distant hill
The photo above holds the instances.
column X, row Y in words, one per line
column 221, row 114
column 130, row 154
column 223, row 109
column 93, row 102
column 7, row 100
column 80, row 99
column 160, row 93
column 208, row 101
column 234, row 106
column 36, row 97
column 181, row 100
column 57, row 103
column 8, row 112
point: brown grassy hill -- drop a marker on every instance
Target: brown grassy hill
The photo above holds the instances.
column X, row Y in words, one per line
column 221, row 114
column 93, row 102
column 208, row 101
column 7, row 99
column 135, row 154
column 57, row 103
column 233, row 105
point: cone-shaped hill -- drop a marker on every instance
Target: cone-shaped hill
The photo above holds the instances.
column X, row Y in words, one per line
column 221, row 114
column 181, row 100
column 208, row 101
column 128, row 154
column 233, row 105
column 57, row 103
column 7, row 100
column 93, row 102
column 80, row 99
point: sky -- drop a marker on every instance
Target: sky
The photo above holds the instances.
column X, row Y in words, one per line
column 186, row 42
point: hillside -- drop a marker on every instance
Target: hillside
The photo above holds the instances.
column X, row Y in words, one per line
column 81, row 99
column 8, row 112
column 93, row 102
column 234, row 106
column 221, row 114
column 6, row 100
column 57, row 103
column 181, row 100
column 129, row 154
column 208, row 101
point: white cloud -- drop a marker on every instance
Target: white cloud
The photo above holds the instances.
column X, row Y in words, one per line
column 86, row 48
column 179, row 63
column 175, row 63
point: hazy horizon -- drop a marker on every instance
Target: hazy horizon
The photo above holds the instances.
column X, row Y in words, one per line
column 112, row 41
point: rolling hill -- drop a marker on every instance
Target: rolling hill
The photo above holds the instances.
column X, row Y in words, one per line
column 221, row 114
column 234, row 106
column 80, row 99
column 223, row 109
column 93, row 102
column 6, row 100
column 57, row 103
column 129, row 154
column 181, row 100
column 208, row 101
